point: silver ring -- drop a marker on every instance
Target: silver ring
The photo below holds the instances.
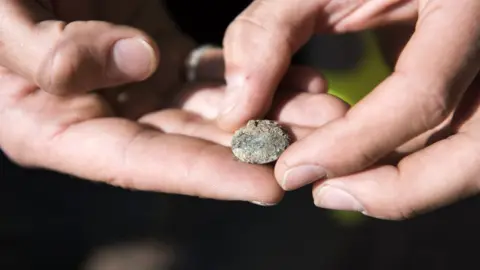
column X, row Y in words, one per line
column 193, row 60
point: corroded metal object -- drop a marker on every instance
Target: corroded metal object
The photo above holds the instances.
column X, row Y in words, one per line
column 260, row 142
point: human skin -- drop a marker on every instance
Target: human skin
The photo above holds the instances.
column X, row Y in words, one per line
column 95, row 89
column 423, row 119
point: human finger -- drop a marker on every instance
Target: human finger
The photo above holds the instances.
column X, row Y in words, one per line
column 436, row 176
column 418, row 96
column 65, row 58
column 303, row 78
column 258, row 48
column 297, row 108
column 123, row 153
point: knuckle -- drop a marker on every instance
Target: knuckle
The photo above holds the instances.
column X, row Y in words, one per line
column 434, row 100
column 59, row 73
column 367, row 157
column 122, row 178
column 434, row 110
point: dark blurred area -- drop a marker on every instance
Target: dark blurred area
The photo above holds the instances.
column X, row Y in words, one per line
column 53, row 221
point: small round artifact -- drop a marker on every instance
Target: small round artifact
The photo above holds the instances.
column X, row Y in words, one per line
column 260, row 142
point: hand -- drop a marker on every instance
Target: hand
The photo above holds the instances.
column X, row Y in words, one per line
column 429, row 94
column 302, row 105
column 56, row 112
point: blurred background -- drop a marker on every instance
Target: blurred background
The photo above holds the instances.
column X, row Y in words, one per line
column 53, row 221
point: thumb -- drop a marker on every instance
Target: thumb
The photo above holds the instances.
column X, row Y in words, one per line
column 439, row 175
column 69, row 58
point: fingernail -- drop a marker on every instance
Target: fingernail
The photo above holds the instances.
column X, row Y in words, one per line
column 133, row 58
column 263, row 204
column 337, row 199
column 302, row 175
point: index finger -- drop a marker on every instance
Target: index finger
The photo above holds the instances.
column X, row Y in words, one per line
column 260, row 42
column 258, row 46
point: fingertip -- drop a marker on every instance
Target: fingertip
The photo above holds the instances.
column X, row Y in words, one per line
column 268, row 193
column 378, row 192
column 304, row 78
column 242, row 103
column 317, row 85
column 273, row 198
column 209, row 66
column 335, row 198
column 226, row 123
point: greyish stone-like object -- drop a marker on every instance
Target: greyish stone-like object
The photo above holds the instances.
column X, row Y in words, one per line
column 260, row 142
